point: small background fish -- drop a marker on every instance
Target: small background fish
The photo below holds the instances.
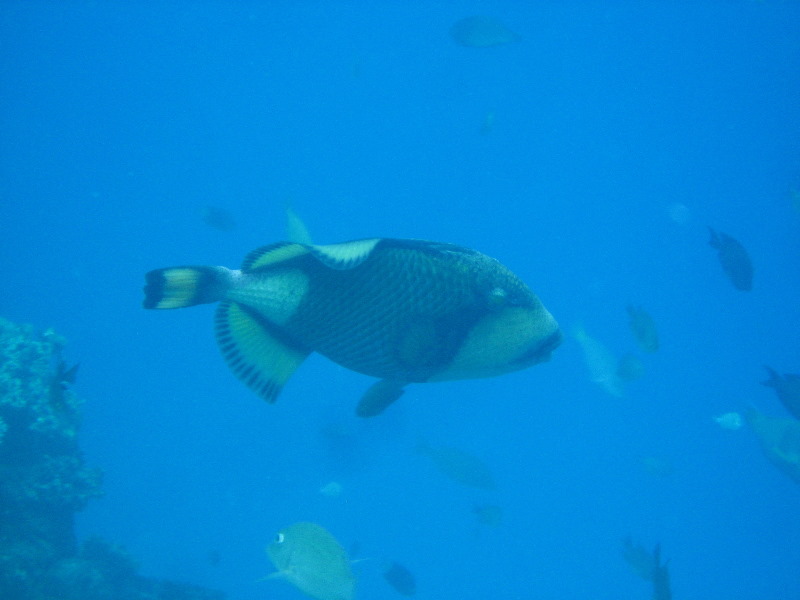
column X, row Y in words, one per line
column 734, row 260
column 309, row 557
column 400, row 578
column 460, row 466
column 481, row 32
column 218, row 218
column 644, row 328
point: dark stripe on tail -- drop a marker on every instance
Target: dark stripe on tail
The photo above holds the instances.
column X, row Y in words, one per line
column 178, row 287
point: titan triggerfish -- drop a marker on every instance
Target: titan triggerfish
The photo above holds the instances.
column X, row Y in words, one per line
column 405, row 311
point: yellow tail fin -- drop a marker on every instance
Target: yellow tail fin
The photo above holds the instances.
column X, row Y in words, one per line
column 177, row 287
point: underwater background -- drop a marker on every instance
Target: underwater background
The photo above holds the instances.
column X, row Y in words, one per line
column 590, row 156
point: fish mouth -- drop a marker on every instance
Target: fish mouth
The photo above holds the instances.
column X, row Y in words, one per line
column 541, row 352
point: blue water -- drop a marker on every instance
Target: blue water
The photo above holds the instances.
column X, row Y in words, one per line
column 120, row 122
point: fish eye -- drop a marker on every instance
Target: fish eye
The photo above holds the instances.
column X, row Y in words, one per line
column 279, row 538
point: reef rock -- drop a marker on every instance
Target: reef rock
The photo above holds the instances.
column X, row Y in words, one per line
column 44, row 481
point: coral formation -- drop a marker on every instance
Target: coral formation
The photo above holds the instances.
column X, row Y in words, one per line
column 44, row 481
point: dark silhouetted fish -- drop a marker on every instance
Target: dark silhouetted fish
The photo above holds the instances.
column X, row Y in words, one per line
column 400, row 579
column 734, row 260
column 218, row 218
column 638, row 558
column 401, row 310
column 62, row 379
column 661, row 586
column 481, row 32
column 787, row 387
column 643, row 328
column 648, row 566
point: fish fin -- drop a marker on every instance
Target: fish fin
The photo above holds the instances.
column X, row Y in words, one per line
column 272, row 254
column 346, row 255
column 714, row 242
column 178, row 287
column 296, row 230
column 66, row 375
column 378, row 397
column 253, row 352
column 774, row 378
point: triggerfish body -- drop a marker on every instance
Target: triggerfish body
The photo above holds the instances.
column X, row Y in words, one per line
column 405, row 311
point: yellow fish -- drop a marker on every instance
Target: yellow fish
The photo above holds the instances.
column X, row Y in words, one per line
column 309, row 557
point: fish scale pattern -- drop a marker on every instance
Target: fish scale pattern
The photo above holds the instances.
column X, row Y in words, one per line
column 351, row 317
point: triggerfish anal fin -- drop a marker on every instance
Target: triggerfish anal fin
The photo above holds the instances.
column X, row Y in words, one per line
column 254, row 354
column 378, row 397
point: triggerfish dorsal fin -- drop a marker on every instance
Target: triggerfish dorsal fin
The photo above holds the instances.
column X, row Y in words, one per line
column 253, row 352
column 344, row 256
column 272, row 254
column 334, row 256
column 296, row 230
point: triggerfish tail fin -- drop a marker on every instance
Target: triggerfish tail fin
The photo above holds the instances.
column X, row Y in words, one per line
column 178, row 287
column 255, row 351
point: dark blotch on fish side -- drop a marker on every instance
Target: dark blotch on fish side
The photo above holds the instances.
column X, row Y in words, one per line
column 734, row 260
column 787, row 387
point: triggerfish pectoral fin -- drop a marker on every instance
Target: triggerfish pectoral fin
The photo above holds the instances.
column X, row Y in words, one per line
column 378, row 397
column 253, row 352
